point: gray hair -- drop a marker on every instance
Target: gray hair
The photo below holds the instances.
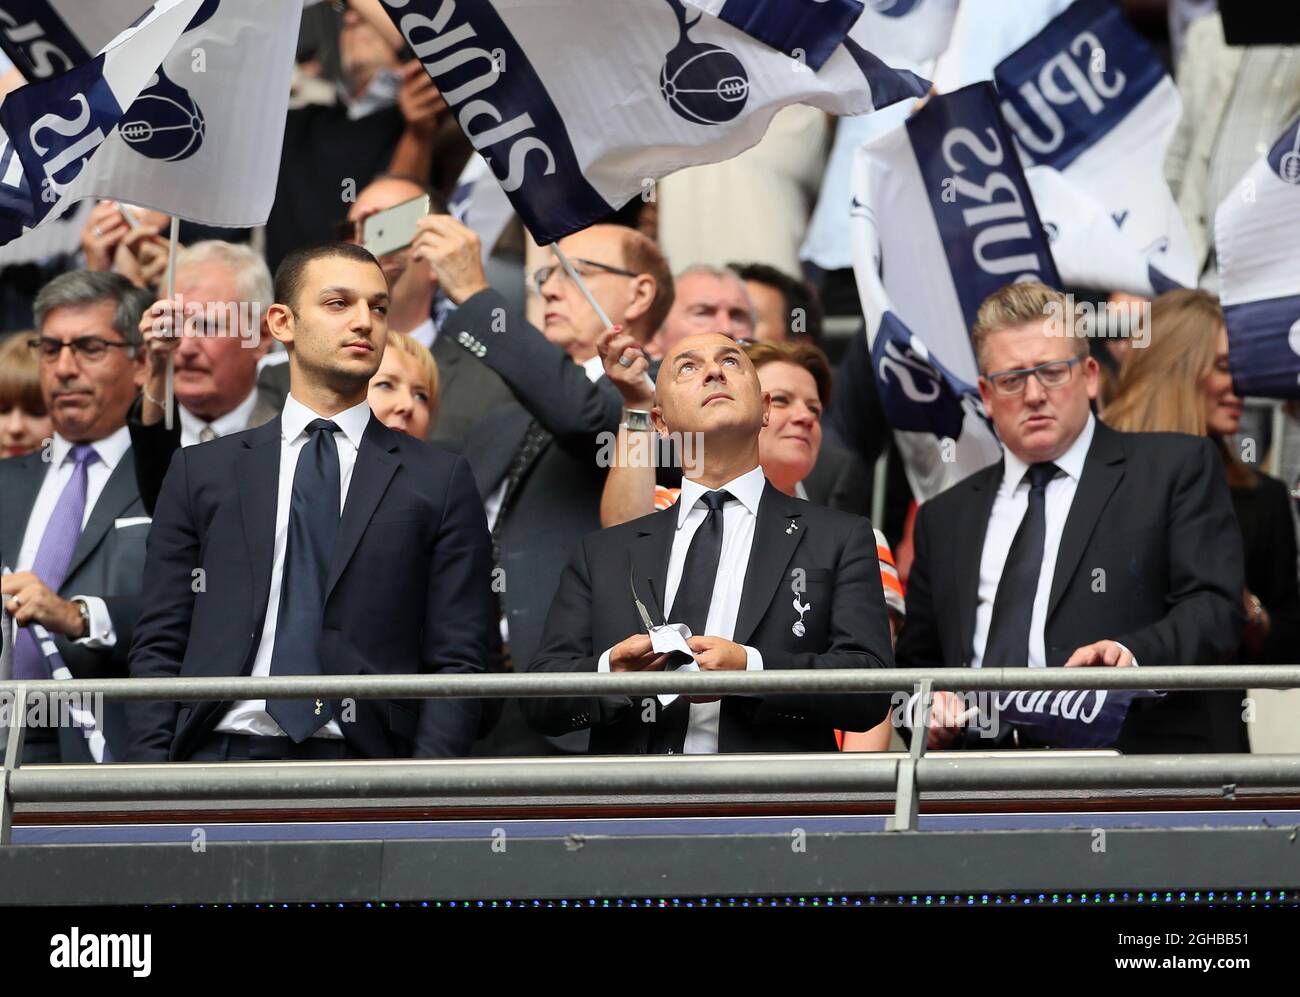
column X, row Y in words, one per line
column 252, row 276
column 88, row 287
column 721, row 273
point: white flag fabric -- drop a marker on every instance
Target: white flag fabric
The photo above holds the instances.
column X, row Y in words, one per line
column 44, row 38
column 575, row 132
column 56, row 129
column 203, row 140
column 1254, row 233
column 942, row 217
column 1089, row 99
column 907, row 34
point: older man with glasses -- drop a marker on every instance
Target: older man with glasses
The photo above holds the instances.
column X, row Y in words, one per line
column 538, row 460
column 72, row 526
column 1081, row 547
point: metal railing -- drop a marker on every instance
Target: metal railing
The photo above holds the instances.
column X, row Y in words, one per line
column 723, row 774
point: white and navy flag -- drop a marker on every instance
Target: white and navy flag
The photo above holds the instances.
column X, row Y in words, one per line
column 910, row 30
column 54, row 128
column 575, row 132
column 44, row 38
column 202, row 141
column 942, row 218
column 1093, row 109
column 1254, row 237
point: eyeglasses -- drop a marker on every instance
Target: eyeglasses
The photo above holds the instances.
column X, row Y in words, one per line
column 90, row 349
column 584, row 267
column 1052, row 374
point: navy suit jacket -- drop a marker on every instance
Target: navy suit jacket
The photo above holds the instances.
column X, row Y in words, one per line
column 408, row 592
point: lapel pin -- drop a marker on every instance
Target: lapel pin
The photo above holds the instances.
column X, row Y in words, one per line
column 792, row 528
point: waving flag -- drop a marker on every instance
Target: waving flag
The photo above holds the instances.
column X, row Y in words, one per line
column 573, row 134
column 55, row 129
column 1254, row 233
column 942, row 217
column 203, row 140
column 910, row 34
column 1089, row 99
column 810, row 32
column 44, row 38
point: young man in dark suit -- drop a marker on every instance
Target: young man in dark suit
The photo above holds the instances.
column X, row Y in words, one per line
column 763, row 581
column 320, row 543
column 72, row 526
column 1082, row 546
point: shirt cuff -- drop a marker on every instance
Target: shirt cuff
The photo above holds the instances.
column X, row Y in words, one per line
column 603, row 664
column 753, row 659
column 1130, row 654
column 100, row 635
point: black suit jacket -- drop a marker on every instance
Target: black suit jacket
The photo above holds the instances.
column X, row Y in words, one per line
column 845, row 626
column 468, row 389
column 408, row 590
column 1150, row 557
column 154, row 445
column 107, row 562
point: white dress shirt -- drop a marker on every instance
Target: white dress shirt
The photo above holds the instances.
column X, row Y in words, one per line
column 426, row 333
column 1009, row 509
column 234, row 421
column 739, row 515
column 250, row 716
column 110, row 450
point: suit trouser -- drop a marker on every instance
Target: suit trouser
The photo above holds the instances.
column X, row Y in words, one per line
column 250, row 747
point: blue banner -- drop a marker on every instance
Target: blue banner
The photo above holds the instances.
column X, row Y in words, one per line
column 37, row 40
column 1072, row 83
column 809, row 32
column 987, row 219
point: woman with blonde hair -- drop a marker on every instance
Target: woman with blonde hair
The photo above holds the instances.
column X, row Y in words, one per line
column 1181, row 382
column 24, row 421
column 404, row 391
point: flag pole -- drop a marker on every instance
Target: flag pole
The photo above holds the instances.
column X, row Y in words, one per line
column 171, row 292
column 582, row 286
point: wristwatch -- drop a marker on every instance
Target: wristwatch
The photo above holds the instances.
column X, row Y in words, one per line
column 637, row 420
column 84, row 610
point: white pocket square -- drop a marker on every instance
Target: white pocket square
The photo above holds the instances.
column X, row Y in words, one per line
column 131, row 521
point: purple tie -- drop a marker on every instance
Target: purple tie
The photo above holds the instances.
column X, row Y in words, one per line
column 54, row 555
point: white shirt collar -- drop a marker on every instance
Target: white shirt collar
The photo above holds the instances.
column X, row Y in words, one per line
column 594, row 368
column 351, row 422
column 110, row 449
column 425, row 333
column 379, row 93
column 1071, row 462
column 746, row 489
column 233, row 421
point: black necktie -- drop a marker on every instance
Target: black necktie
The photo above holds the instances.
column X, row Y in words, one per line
column 700, row 570
column 691, row 606
column 536, row 437
column 313, row 528
column 1008, row 641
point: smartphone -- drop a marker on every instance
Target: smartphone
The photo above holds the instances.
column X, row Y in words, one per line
column 394, row 228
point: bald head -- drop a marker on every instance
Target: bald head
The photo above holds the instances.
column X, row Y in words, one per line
column 708, row 385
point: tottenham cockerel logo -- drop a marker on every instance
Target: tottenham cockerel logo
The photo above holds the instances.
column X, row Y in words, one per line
column 165, row 122
column 703, row 83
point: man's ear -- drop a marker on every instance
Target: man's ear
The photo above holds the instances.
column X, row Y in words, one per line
column 986, row 392
column 767, row 407
column 657, row 417
column 640, row 298
column 279, row 323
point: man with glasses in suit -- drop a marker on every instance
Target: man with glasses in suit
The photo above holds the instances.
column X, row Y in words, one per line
column 72, row 526
column 1082, row 547
column 535, row 459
